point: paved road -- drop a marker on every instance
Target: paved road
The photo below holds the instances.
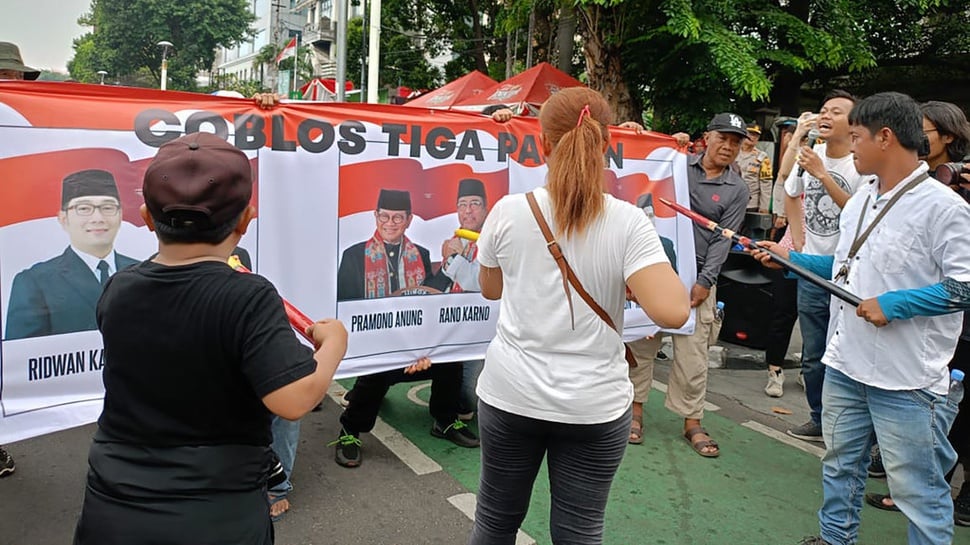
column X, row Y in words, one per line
column 415, row 489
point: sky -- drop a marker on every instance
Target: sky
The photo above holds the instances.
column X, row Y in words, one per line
column 43, row 29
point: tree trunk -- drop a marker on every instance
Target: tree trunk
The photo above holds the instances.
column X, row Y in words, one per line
column 786, row 92
column 543, row 33
column 566, row 39
column 508, row 56
column 531, row 39
column 479, row 49
column 602, row 30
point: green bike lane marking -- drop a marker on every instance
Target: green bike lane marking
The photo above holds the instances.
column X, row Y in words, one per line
column 759, row 491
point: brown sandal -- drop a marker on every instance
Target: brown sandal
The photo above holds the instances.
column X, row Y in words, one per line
column 879, row 502
column 699, row 446
column 636, row 431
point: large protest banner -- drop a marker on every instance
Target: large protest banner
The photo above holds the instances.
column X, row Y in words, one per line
column 320, row 170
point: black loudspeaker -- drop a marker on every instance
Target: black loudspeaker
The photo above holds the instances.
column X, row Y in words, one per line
column 746, row 293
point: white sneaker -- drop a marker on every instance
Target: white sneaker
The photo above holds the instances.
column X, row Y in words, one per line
column 800, row 380
column 776, row 383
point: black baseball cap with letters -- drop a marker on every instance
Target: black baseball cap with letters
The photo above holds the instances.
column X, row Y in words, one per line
column 729, row 123
column 198, row 182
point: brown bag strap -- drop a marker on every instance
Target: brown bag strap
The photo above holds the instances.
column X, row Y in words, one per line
column 569, row 277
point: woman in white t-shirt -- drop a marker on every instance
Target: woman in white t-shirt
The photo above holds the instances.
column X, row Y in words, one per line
column 555, row 382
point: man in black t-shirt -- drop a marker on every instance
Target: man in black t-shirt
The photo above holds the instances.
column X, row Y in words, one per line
column 197, row 359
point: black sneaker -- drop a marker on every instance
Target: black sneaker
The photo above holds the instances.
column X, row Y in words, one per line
column 348, row 451
column 809, row 431
column 813, row 540
column 457, row 432
column 6, row 463
column 876, row 469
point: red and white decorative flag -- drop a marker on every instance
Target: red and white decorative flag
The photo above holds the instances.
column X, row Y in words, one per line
column 288, row 51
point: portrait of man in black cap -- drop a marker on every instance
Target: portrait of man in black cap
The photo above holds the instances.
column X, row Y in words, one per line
column 459, row 257
column 59, row 295
column 388, row 261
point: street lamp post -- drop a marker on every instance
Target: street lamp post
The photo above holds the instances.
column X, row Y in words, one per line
column 165, row 46
column 102, row 73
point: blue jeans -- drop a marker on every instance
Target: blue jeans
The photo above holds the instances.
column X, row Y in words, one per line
column 911, row 426
column 286, row 436
column 582, row 461
column 813, row 319
column 469, row 381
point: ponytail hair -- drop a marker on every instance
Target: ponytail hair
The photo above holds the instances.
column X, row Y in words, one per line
column 574, row 122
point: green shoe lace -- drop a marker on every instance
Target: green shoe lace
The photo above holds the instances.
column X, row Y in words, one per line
column 456, row 425
column 346, row 439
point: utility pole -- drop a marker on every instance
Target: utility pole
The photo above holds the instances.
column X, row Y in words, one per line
column 277, row 27
column 341, row 50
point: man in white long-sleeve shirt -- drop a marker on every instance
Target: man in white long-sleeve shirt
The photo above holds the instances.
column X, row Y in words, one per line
column 905, row 251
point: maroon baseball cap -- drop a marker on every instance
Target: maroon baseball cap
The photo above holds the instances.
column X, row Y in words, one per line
column 198, row 181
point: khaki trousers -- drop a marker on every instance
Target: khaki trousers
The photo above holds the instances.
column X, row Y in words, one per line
column 687, row 384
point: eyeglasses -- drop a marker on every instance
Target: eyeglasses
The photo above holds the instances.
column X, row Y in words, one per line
column 927, row 131
column 473, row 205
column 85, row 209
column 396, row 219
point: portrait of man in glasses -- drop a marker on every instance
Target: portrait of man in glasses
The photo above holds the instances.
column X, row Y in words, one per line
column 459, row 257
column 388, row 262
column 59, row 295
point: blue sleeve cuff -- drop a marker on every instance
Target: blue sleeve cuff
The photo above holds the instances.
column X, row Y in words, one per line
column 935, row 300
column 818, row 264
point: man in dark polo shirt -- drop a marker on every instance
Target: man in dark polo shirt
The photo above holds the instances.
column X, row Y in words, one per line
column 718, row 193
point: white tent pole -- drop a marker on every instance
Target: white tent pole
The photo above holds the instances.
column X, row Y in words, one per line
column 374, row 52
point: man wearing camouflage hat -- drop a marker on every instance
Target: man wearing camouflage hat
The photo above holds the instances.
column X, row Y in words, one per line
column 12, row 64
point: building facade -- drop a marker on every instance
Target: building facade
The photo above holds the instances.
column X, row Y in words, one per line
column 320, row 31
column 277, row 21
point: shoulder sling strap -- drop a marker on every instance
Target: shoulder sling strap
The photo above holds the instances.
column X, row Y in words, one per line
column 569, row 277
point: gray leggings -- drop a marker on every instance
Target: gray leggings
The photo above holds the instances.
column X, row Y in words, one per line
column 582, row 460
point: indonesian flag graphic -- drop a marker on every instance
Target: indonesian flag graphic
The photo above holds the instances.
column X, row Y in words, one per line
column 288, row 51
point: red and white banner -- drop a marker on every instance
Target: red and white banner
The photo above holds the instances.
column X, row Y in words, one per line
column 320, row 168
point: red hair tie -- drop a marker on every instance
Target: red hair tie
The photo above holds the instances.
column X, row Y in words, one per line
column 583, row 113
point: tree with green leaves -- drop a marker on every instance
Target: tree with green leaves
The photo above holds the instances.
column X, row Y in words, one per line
column 126, row 33
column 403, row 60
column 685, row 60
column 266, row 57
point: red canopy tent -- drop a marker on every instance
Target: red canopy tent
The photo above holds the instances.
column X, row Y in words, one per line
column 468, row 86
column 323, row 89
column 523, row 93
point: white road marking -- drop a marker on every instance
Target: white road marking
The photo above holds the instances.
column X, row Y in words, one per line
column 804, row 446
column 466, row 504
column 413, row 394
